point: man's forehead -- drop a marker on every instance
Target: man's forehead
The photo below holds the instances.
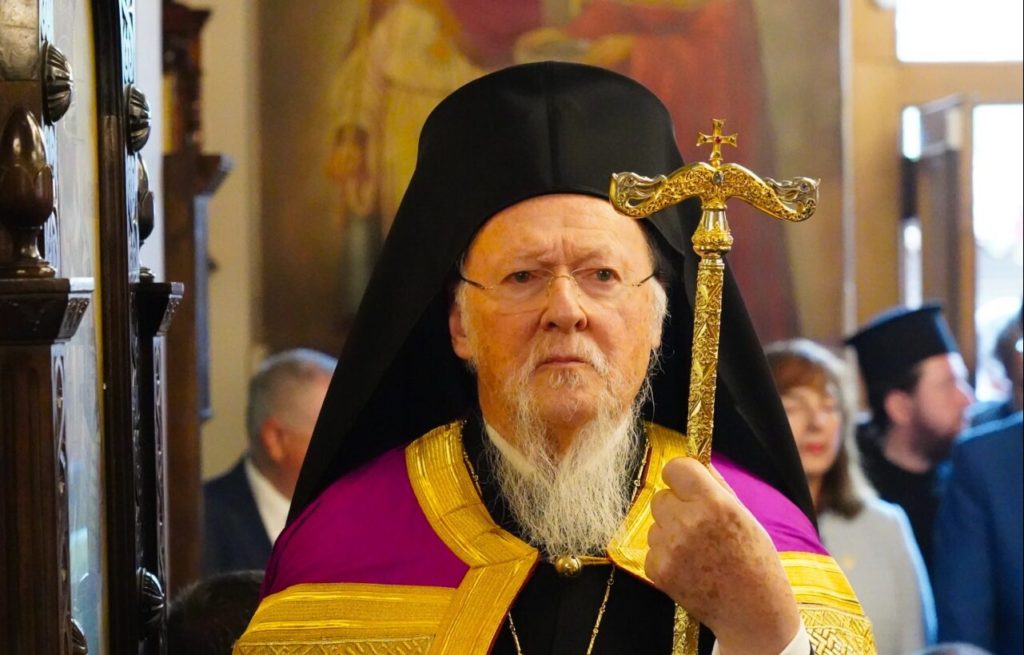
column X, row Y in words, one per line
column 944, row 365
column 559, row 224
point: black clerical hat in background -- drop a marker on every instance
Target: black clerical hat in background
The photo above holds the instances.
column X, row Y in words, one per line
column 891, row 343
column 518, row 133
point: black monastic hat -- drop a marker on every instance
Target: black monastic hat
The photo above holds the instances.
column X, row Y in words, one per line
column 891, row 343
column 518, row 133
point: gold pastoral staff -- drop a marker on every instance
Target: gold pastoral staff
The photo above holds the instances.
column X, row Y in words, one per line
column 713, row 183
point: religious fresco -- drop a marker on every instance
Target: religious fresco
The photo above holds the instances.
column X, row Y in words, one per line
column 385, row 64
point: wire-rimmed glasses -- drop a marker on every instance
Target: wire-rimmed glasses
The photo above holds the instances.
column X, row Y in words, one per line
column 528, row 290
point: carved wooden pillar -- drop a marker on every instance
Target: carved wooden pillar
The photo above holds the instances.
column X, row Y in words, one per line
column 156, row 303
column 38, row 317
column 38, row 314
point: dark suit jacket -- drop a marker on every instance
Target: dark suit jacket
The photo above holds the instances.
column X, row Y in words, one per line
column 233, row 534
column 993, row 410
column 978, row 542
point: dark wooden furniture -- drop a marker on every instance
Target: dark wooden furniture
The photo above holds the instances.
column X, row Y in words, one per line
column 41, row 308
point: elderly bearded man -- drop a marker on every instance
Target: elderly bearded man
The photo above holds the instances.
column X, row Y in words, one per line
column 497, row 467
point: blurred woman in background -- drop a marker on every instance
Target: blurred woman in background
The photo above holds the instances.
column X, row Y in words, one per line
column 869, row 538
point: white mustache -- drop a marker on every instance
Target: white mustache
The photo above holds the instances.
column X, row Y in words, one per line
column 580, row 349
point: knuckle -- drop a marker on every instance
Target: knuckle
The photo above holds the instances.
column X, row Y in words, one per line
column 675, row 472
column 654, row 568
column 655, row 536
column 667, row 508
column 657, row 568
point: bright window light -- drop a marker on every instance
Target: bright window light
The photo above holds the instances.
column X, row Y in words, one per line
column 911, row 133
column 998, row 163
column 956, row 30
column 998, row 171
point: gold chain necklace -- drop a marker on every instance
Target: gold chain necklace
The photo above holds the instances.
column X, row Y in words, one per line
column 568, row 565
column 597, row 622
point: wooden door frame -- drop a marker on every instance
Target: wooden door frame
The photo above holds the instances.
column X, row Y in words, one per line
column 131, row 371
column 943, row 199
column 42, row 311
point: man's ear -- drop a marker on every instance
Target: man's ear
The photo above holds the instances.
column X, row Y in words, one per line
column 460, row 342
column 272, row 439
column 899, row 406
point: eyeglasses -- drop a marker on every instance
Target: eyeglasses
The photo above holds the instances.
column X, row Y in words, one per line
column 528, row 290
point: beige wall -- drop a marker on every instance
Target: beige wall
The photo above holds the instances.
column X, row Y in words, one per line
column 230, row 112
column 880, row 88
column 803, row 71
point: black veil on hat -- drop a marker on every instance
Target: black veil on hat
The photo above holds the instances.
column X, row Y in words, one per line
column 892, row 342
column 518, row 133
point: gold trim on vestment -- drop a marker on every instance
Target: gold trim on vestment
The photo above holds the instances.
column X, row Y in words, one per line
column 499, row 563
column 628, row 548
column 818, row 579
column 347, row 619
column 358, row 619
column 828, row 606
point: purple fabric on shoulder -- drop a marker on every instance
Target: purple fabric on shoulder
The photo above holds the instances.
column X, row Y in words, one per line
column 366, row 527
column 789, row 528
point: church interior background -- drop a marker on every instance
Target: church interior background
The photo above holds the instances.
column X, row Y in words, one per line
column 304, row 118
column 809, row 86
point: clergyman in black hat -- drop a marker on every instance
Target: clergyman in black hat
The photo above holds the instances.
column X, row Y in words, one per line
column 498, row 466
column 918, row 393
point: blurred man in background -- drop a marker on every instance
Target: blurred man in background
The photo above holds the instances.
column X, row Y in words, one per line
column 245, row 509
column 979, row 585
column 918, row 392
column 1008, row 353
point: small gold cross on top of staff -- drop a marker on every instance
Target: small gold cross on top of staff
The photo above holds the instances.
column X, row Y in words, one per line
column 716, row 139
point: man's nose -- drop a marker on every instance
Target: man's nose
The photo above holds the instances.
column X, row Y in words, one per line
column 564, row 308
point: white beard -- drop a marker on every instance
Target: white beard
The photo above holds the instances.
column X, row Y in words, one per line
column 573, row 502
